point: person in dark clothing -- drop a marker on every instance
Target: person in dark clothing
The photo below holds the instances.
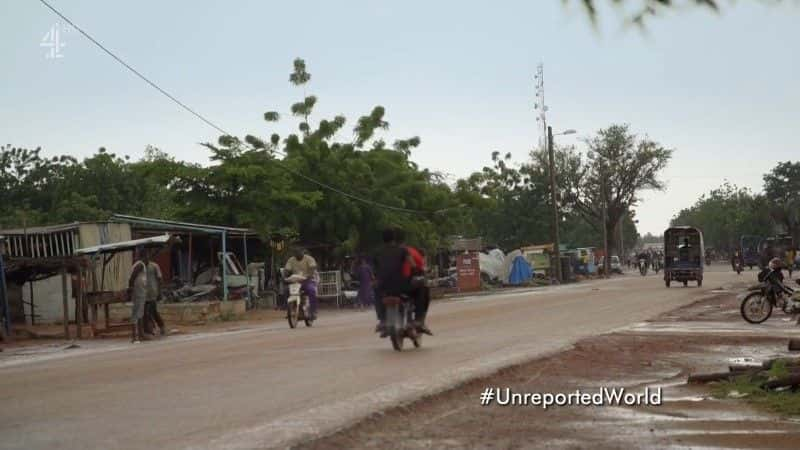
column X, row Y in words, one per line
column 683, row 251
column 389, row 275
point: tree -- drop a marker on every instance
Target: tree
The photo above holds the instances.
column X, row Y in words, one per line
column 329, row 192
column 725, row 214
column 782, row 190
column 618, row 167
column 643, row 9
column 509, row 206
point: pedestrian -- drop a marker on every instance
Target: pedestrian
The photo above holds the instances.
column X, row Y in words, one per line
column 366, row 277
column 145, row 286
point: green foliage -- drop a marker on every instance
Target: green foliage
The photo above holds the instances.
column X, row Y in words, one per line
column 782, row 191
column 640, row 10
column 786, row 403
column 727, row 213
column 617, row 168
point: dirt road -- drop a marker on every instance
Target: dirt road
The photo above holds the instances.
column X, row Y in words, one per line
column 273, row 386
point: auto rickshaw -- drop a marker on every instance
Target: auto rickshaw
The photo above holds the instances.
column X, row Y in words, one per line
column 684, row 255
column 748, row 250
column 781, row 247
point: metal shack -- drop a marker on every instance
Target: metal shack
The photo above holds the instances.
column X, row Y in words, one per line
column 35, row 256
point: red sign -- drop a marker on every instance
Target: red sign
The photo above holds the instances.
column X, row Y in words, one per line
column 469, row 272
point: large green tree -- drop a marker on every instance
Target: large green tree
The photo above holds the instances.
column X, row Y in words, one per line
column 331, row 191
column 782, row 190
column 725, row 214
column 617, row 168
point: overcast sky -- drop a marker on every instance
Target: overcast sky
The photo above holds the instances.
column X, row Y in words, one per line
column 722, row 90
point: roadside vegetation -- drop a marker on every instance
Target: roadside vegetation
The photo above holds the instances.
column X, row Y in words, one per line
column 750, row 388
column 331, row 183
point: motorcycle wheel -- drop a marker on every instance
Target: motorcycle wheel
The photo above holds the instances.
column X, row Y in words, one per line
column 417, row 341
column 309, row 322
column 396, row 331
column 755, row 308
column 685, row 283
column 292, row 313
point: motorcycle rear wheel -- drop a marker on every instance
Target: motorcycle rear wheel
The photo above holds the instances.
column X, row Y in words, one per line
column 396, row 327
column 755, row 303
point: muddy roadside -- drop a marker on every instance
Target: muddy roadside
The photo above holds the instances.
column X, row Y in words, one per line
column 702, row 337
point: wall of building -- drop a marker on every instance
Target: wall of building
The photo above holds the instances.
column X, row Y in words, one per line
column 118, row 269
column 47, row 300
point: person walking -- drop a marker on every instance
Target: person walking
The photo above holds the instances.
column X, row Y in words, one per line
column 366, row 277
column 145, row 286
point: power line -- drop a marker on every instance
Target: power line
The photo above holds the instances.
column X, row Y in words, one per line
column 220, row 129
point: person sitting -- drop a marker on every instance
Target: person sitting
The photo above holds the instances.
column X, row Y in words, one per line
column 683, row 251
column 390, row 281
column 420, row 294
column 303, row 264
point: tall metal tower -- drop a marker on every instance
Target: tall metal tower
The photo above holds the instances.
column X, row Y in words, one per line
column 539, row 105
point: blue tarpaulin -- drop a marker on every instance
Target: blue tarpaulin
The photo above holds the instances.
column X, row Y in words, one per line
column 521, row 271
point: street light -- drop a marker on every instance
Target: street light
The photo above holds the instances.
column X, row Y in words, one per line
column 552, row 164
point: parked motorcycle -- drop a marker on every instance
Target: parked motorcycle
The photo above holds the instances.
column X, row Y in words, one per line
column 757, row 306
column 400, row 322
column 297, row 305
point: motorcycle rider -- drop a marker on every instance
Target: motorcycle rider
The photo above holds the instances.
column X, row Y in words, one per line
column 736, row 258
column 389, row 275
column 301, row 263
column 420, row 294
column 643, row 258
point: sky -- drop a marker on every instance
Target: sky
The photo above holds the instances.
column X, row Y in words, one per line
column 719, row 89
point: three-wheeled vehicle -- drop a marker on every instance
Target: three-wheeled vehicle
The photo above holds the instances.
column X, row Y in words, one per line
column 748, row 249
column 684, row 255
column 781, row 246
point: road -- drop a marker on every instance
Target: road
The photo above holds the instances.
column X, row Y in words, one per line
column 271, row 386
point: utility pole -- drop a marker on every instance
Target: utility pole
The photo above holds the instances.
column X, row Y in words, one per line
column 606, row 259
column 621, row 239
column 547, row 133
column 554, row 200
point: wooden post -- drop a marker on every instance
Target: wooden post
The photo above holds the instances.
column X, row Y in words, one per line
column 79, row 303
column 33, row 310
column 93, row 307
column 191, row 271
column 65, row 299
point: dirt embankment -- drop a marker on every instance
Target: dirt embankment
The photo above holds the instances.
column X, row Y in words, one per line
column 658, row 354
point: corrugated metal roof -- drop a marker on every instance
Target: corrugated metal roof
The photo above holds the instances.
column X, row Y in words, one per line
column 42, row 230
column 173, row 225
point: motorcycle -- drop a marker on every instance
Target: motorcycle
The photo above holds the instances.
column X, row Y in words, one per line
column 657, row 265
column 400, row 321
column 643, row 267
column 297, row 305
column 738, row 267
column 757, row 306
